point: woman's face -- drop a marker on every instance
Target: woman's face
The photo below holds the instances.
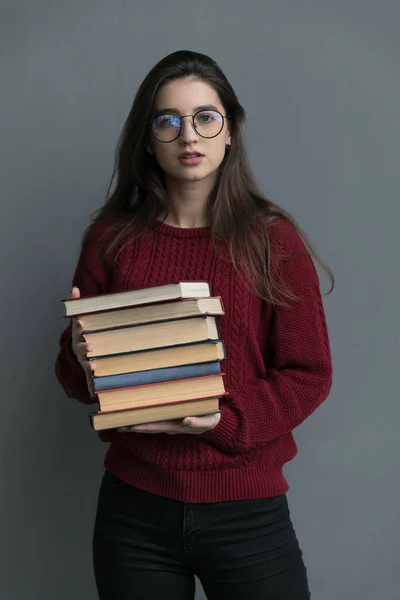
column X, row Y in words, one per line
column 190, row 157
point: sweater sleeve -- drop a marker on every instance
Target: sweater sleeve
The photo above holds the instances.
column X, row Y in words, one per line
column 299, row 376
column 91, row 277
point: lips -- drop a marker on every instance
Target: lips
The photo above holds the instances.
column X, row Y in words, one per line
column 190, row 155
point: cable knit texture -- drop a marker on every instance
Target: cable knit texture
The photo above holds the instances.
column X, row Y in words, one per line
column 278, row 367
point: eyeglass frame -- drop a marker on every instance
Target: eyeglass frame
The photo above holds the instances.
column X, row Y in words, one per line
column 180, row 117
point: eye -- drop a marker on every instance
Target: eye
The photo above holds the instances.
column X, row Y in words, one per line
column 166, row 121
column 206, row 117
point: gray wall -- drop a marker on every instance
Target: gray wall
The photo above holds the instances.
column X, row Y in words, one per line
column 321, row 83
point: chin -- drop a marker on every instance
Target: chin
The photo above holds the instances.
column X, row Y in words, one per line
column 195, row 174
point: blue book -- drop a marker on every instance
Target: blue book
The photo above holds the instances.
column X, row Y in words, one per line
column 110, row 382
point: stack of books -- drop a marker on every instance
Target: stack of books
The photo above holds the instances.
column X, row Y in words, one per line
column 157, row 353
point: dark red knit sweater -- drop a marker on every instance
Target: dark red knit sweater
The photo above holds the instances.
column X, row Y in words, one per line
column 278, row 366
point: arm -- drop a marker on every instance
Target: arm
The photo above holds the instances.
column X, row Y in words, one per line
column 299, row 377
column 91, row 277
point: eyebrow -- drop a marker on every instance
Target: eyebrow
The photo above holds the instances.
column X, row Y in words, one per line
column 175, row 111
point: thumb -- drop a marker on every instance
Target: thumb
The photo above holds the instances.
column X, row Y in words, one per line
column 75, row 293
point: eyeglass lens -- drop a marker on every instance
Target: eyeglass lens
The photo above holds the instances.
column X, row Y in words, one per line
column 208, row 124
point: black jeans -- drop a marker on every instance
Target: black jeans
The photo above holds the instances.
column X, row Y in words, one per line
column 147, row 547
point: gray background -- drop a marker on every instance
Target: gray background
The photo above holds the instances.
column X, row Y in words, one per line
column 321, row 83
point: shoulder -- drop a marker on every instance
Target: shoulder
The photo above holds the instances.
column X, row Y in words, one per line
column 105, row 236
column 290, row 257
column 114, row 227
column 96, row 250
column 283, row 236
column 99, row 232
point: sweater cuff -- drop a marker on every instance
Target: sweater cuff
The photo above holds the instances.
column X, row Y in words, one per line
column 223, row 434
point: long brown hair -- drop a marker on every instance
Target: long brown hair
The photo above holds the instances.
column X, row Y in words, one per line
column 238, row 210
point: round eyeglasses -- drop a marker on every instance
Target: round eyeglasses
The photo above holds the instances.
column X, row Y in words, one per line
column 207, row 124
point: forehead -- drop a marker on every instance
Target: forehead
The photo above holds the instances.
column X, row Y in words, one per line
column 185, row 95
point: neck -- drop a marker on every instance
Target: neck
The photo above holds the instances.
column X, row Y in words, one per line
column 187, row 203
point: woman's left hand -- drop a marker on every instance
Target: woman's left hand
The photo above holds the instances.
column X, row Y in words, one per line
column 193, row 425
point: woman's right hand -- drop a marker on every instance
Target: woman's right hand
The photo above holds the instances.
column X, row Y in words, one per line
column 80, row 348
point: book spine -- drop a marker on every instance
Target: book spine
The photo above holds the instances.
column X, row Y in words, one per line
column 192, row 402
column 176, row 295
column 145, row 324
column 223, row 348
column 97, row 419
column 109, row 382
column 158, row 349
column 203, row 315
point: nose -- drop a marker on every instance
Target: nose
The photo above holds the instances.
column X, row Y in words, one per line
column 188, row 133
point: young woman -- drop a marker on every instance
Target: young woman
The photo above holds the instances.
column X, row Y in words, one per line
column 205, row 495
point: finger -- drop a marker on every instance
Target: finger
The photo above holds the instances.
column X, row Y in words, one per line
column 206, row 422
column 83, row 348
column 75, row 293
column 85, row 363
column 77, row 337
column 157, row 427
column 78, row 327
column 133, row 430
column 88, row 366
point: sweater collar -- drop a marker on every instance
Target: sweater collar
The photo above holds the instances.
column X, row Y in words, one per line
column 180, row 232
